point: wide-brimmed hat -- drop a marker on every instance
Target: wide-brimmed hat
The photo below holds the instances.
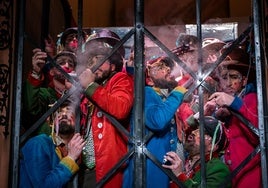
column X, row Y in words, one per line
column 94, row 48
column 238, row 59
column 68, row 31
column 106, row 36
column 212, row 44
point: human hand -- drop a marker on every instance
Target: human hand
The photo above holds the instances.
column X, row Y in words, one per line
column 222, row 99
column 75, row 146
column 176, row 163
column 86, row 77
column 38, row 60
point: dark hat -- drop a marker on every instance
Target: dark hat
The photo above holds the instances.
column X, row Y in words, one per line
column 67, row 53
column 185, row 44
column 188, row 40
column 106, row 36
column 214, row 128
column 68, row 31
column 238, row 59
column 99, row 48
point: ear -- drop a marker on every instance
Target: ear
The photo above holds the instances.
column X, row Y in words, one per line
column 52, row 71
column 112, row 67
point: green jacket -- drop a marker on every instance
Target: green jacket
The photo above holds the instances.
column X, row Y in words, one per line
column 36, row 101
column 216, row 173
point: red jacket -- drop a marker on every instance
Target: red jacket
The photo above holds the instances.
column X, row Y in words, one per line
column 242, row 143
column 116, row 98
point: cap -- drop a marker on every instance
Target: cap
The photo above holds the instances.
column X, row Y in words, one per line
column 215, row 130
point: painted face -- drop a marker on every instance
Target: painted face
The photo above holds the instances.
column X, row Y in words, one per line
column 232, row 81
column 71, row 42
column 66, row 63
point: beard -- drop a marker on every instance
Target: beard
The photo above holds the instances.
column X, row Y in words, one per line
column 191, row 148
column 65, row 128
column 164, row 84
column 105, row 75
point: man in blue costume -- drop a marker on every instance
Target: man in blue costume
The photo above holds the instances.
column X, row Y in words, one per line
column 162, row 98
column 50, row 161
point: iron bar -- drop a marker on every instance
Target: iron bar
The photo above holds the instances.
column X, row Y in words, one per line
column 15, row 139
column 259, row 45
column 139, row 83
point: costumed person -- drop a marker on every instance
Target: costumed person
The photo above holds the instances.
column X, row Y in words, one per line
column 162, row 98
column 37, row 95
column 239, row 95
column 50, row 161
column 109, row 90
column 190, row 173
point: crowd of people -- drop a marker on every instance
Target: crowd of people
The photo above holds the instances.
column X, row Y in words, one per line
column 57, row 152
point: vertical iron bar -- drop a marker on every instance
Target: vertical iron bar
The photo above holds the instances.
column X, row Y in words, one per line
column 15, row 131
column 259, row 45
column 139, row 83
column 80, row 23
column 45, row 22
column 200, row 93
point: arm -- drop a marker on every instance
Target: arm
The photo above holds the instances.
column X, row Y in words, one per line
column 42, row 165
column 159, row 112
column 116, row 97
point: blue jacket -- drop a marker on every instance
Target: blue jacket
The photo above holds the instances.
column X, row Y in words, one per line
column 159, row 118
column 41, row 166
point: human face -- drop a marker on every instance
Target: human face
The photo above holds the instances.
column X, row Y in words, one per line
column 71, row 42
column 104, row 71
column 66, row 63
column 66, row 120
column 232, row 81
column 192, row 143
column 161, row 76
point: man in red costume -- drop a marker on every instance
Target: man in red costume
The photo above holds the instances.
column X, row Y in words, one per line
column 110, row 90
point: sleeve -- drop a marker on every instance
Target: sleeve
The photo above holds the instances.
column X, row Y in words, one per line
column 115, row 98
column 247, row 107
column 159, row 112
column 36, row 98
column 216, row 173
column 43, row 166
